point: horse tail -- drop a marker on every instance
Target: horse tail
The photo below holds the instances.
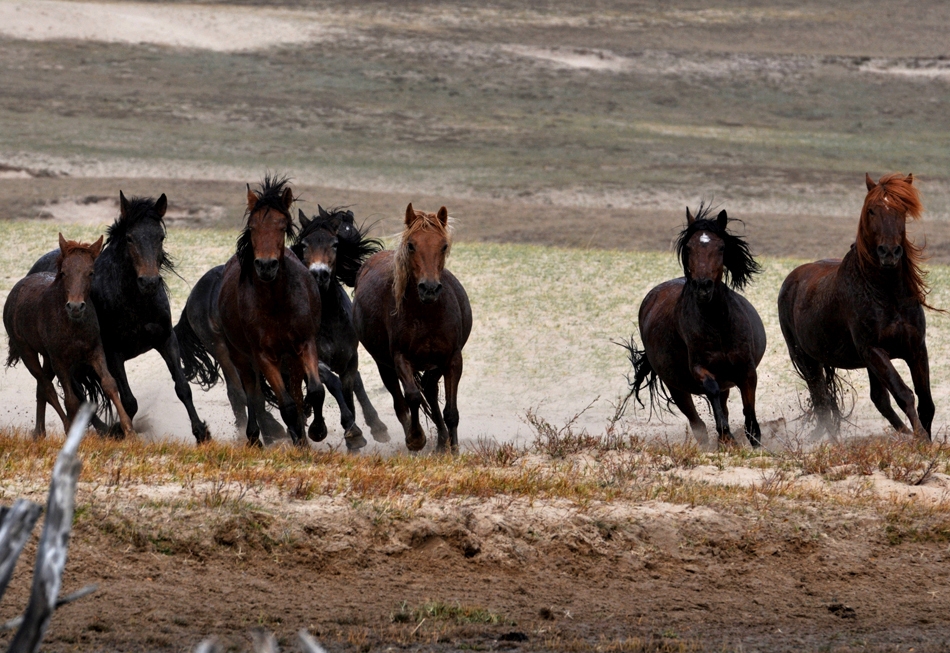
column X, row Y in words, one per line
column 199, row 366
column 13, row 355
column 87, row 384
column 426, row 408
column 645, row 377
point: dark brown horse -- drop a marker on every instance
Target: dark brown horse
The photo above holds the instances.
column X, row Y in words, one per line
column 863, row 311
column 269, row 308
column 414, row 317
column 52, row 315
column 699, row 336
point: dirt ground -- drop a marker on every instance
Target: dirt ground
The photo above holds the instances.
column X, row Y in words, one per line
column 538, row 576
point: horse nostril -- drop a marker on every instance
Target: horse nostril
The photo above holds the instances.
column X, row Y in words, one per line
column 882, row 250
column 898, row 251
column 82, row 306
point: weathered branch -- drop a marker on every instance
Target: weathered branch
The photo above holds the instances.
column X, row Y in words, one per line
column 15, row 529
column 54, row 541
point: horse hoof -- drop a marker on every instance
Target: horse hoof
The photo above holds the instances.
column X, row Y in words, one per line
column 354, row 438
column 416, row 444
column 202, row 433
column 380, row 433
column 115, row 432
column 317, row 431
column 255, row 443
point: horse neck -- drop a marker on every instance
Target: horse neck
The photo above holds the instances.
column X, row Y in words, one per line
column 884, row 286
column 706, row 316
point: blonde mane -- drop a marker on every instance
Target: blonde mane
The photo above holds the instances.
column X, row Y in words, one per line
column 424, row 222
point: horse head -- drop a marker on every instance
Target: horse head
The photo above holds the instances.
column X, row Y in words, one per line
column 317, row 244
column 421, row 254
column 708, row 252
column 261, row 244
column 882, row 230
column 75, row 268
column 139, row 234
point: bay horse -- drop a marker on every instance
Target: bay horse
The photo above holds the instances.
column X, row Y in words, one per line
column 131, row 302
column 333, row 249
column 269, row 306
column 414, row 317
column 52, row 315
column 863, row 311
column 701, row 337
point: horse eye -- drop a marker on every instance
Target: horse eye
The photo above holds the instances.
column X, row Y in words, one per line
column 411, row 247
column 128, row 239
column 444, row 248
column 334, row 245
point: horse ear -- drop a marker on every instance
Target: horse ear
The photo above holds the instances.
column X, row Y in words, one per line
column 869, row 182
column 62, row 243
column 722, row 219
column 123, row 205
column 288, row 198
column 443, row 216
column 348, row 217
column 161, row 205
column 251, row 198
column 909, row 179
column 304, row 220
column 410, row 214
column 689, row 217
column 323, row 212
column 97, row 246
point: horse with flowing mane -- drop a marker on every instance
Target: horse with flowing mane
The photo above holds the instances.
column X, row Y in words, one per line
column 863, row 311
column 333, row 249
column 699, row 336
column 131, row 302
column 269, row 307
column 52, row 315
column 413, row 316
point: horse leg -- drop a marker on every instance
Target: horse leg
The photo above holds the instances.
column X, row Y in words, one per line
column 391, row 381
column 684, row 401
column 713, row 393
column 882, row 400
column 109, row 386
column 172, row 356
column 452, row 377
column 415, row 435
column 255, row 403
column 376, row 426
column 232, row 382
column 822, row 401
column 45, row 391
column 880, row 364
column 752, row 431
column 430, row 390
column 920, row 374
column 333, row 383
column 724, row 403
column 70, row 398
column 309, row 359
column 293, row 419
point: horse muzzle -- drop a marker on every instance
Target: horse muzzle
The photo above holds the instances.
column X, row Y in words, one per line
column 889, row 257
column 75, row 311
column 149, row 285
column 266, row 268
column 703, row 289
column 429, row 291
column 321, row 272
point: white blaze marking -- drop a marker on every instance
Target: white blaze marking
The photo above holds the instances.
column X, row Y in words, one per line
column 704, row 238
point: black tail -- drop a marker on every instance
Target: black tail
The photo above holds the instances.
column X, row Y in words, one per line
column 199, row 366
column 13, row 356
column 86, row 383
column 644, row 376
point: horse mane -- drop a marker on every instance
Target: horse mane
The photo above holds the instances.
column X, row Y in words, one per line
column 138, row 209
column 737, row 257
column 895, row 191
column 269, row 195
column 424, row 222
column 351, row 251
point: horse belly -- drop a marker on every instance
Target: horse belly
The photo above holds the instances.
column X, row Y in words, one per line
column 664, row 347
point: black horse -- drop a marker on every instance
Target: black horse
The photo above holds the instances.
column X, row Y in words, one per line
column 204, row 352
column 699, row 336
column 131, row 301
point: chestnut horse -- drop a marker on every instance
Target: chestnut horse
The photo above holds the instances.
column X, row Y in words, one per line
column 699, row 336
column 414, row 317
column 269, row 308
column 52, row 315
column 863, row 311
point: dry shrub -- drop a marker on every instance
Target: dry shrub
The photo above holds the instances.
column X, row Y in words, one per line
column 915, row 521
column 900, row 458
column 489, row 453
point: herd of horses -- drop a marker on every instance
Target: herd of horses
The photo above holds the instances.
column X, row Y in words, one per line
column 277, row 324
